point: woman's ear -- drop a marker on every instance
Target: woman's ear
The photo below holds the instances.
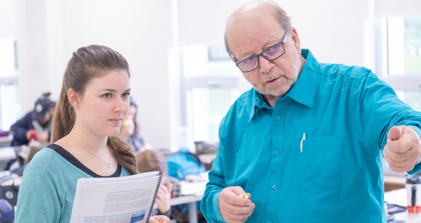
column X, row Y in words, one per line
column 73, row 97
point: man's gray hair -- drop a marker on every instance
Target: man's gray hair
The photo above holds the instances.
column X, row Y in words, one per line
column 279, row 14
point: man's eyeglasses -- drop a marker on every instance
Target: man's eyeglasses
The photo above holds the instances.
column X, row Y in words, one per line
column 271, row 53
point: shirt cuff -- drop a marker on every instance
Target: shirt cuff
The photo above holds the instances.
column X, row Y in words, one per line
column 417, row 167
column 215, row 202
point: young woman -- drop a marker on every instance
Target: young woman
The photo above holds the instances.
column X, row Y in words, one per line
column 92, row 106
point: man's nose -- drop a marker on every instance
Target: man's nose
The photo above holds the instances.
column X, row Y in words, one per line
column 265, row 65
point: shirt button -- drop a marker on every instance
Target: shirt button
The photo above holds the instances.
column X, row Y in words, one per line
column 277, row 153
column 274, row 187
column 270, row 222
column 277, row 118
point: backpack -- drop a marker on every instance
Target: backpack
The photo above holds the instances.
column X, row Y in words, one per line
column 7, row 214
column 183, row 163
column 180, row 164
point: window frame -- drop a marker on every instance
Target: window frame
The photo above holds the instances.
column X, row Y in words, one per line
column 397, row 82
column 4, row 81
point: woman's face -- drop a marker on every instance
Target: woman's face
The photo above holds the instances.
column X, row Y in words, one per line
column 105, row 102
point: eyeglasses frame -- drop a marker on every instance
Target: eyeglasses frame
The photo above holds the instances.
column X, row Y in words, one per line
column 284, row 39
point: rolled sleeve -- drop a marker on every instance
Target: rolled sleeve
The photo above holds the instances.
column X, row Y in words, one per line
column 217, row 212
column 210, row 201
column 377, row 110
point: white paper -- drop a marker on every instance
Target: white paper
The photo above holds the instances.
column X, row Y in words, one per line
column 193, row 188
column 114, row 200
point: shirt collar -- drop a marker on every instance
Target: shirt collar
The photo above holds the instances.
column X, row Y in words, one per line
column 304, row 89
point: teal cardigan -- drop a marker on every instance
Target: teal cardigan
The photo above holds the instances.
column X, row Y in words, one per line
column 48, row 188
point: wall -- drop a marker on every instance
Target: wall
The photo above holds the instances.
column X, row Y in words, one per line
column 148, row 32
column 50, row 30
column 8, row 19
column 332, row 29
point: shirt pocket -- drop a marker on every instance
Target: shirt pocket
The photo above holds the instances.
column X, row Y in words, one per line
column 319, row 166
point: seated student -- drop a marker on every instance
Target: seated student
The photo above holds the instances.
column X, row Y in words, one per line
column 150, row 160
column 130, row 130
column 35, row 124
column 93, row 103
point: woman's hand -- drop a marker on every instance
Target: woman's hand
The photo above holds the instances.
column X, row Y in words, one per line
column 159, row 219
column 163, row 198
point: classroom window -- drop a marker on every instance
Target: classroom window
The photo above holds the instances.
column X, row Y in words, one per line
column 404, row 45
column 9, row 88
column 209, row 89
column 203, row 60
column 412, row 98
column 398, row 46
column 209, row 106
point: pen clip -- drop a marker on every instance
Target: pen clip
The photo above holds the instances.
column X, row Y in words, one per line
column 304, row 138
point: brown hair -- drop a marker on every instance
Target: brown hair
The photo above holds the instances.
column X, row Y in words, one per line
column 279, row 14
column 151, row 160
column 84, row 65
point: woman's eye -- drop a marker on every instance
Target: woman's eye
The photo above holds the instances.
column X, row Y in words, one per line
column 126, row 95
column 108, row 95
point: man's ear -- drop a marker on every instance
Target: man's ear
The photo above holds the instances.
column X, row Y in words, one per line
column 295, row 39
column 233, row 58
column 73, row 97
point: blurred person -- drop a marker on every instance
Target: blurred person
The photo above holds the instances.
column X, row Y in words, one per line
column 36, row 124
column 151, row 160
column 93, row 103
column 130, row 131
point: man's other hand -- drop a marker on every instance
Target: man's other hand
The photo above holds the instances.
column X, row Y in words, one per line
column 233, row 208
column 42, row 136
column 402, row 148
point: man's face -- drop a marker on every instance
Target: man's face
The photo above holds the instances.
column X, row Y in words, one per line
column 252, row 34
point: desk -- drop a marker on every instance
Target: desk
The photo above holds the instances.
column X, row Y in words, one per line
column 191, row 193
column 394, row 182
column 6, row 140
column 207, row 160
column 187, row 199
column 7, row 154
column 399, row 197
column 191, row 200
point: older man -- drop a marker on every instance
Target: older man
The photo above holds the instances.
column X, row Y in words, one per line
column 307, row 141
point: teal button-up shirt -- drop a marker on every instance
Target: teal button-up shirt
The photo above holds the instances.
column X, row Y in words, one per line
column 333, row 175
